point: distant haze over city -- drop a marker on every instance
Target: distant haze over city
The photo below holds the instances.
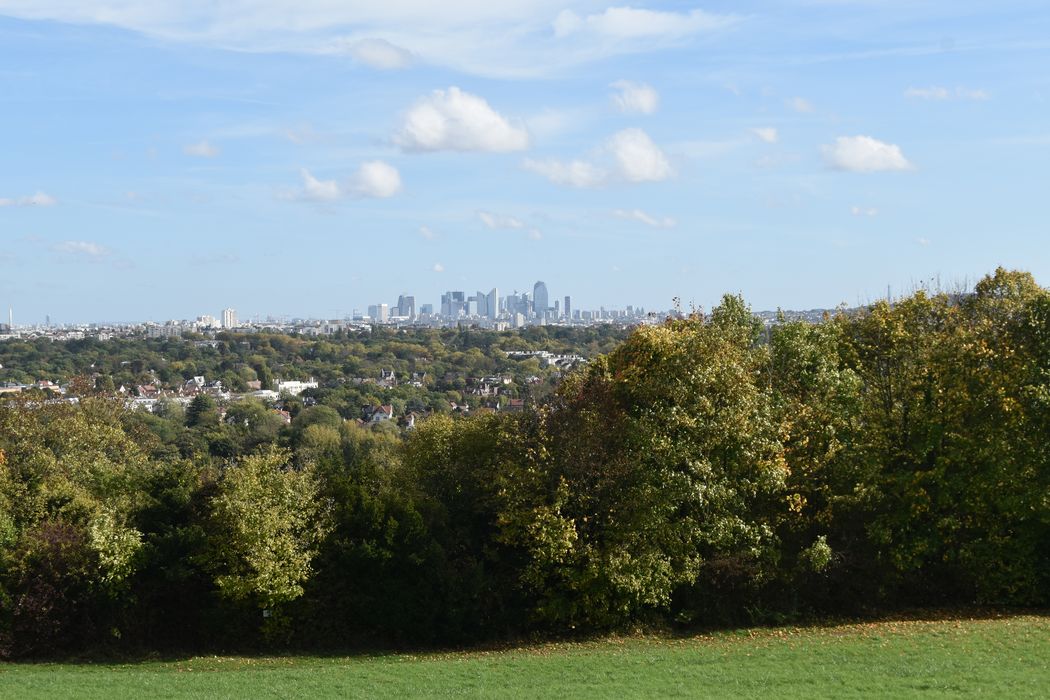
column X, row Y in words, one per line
column 166, row 160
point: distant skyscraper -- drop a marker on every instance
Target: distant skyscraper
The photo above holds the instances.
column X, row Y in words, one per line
column 568, row 308
column 492, row 303
column 540, row 302
column 384, row 313
column 229, row 318
column 406, row 306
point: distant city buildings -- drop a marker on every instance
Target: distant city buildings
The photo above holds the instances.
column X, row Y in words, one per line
column 484, row 310
column 229, row 318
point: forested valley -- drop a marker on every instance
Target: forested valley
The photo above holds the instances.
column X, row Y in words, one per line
column 706, row 471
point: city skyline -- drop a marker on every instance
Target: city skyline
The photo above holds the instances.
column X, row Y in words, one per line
column 306, row 158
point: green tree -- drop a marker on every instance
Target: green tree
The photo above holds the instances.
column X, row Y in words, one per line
column 268, row 523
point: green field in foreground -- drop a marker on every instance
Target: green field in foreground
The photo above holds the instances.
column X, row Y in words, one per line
column 997, row 657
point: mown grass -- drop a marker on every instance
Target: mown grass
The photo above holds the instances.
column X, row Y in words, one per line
column 1007, row 656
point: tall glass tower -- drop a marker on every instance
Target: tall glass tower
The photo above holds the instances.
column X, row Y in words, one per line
column 540, row 303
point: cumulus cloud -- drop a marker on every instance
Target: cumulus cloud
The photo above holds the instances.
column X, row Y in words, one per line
column 864, row 211
column 454, row 120
column 638, row 158
column 645, row 218
column 380, row 53
column 374, row 179
column 438, row 267
column 635, row 97
column 943, row 93
column 863, row 154
column 535, row 234
column 768, row 134
column 495, row 221
column 801, row 105
column 201, row 149
column 629, row 155
column 81, row 249
column 426, row 232
column 37, row 199
column 635, row 23
column 922, row 241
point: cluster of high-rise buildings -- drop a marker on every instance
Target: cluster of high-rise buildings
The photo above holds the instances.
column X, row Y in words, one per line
column 491, row 309
column 486, row 309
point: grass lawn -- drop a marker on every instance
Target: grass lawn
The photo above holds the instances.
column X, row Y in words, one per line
column 994, row 657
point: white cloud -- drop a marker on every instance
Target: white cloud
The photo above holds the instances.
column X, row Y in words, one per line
column 438, row 267
column 575, row 173
column 535, row 235
column 374, row 179
column 638, row 158
column 380, row 53
column 943, row 93
column 454, row 120
column 201, row 149
column 863, row 154
column 864, row 211
column 84, row 249
column 427, row 233
column 922, row 241
column 768, row 134
column 495, row 221
column 634, row 23
column 315, row 190
column 37, row 199
column 635, row 97
column 510, row 38
column 801, row 105
column 643, row 217
column 628, row 155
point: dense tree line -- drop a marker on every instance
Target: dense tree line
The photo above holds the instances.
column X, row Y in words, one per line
column 705, row 471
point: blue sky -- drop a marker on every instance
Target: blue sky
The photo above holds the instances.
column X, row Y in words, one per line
column 167, row 159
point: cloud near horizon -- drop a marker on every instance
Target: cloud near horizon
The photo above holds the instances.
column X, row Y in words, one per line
column 37, row 199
